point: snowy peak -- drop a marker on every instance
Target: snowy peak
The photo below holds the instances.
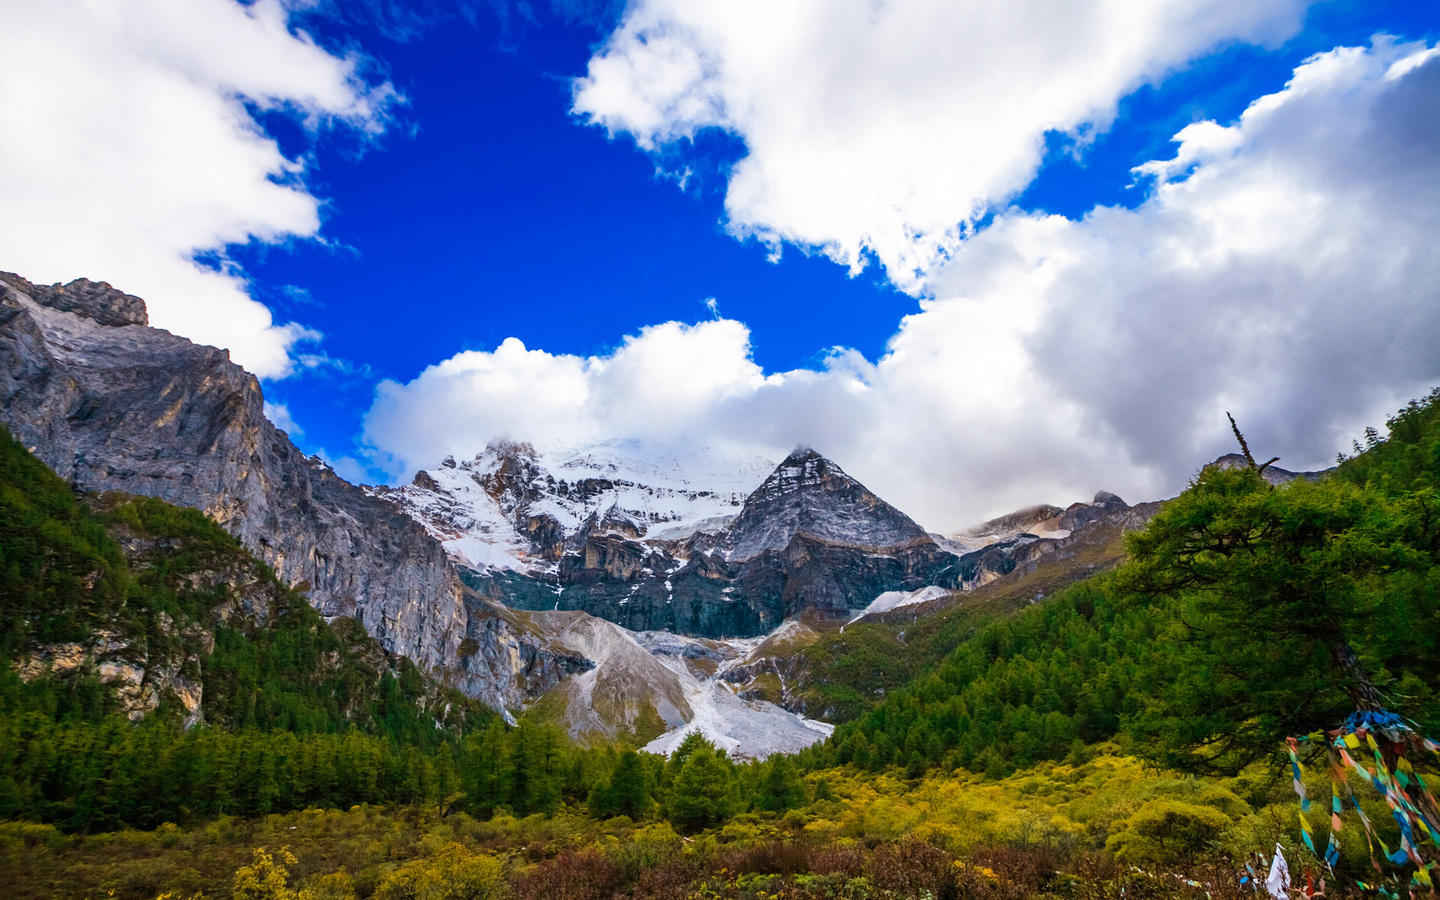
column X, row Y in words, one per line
column 513, row 508
column 802, row 469
column 809, row 495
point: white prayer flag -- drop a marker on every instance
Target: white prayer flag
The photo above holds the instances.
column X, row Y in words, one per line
column 1278, row 884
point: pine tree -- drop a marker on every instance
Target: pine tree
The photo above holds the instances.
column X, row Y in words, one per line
column 626, row 792
column 780, row 787
column 1268, row 588
column 703, row 793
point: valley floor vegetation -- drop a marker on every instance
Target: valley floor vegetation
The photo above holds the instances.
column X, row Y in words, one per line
column 1103, row 827
column 1122, row 737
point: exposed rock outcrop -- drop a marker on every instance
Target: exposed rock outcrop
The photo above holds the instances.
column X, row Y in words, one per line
column 1273, row 474
column 139, row 674
column 93, row 299
column 808, row 538
column 111, row 404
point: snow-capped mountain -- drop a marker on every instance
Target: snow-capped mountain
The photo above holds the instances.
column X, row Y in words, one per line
column 511, row 508
column 808, row 495
column 637, row 591
column 654, row 543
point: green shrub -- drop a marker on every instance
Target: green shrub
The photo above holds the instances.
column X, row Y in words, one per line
column 1168, row 830
column 452, row 874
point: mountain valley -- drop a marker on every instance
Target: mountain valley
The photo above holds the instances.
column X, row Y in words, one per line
column 207, row 622
column 486, row 571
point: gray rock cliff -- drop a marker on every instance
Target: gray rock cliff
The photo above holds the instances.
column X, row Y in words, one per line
column 808, row 538
column 112, row 404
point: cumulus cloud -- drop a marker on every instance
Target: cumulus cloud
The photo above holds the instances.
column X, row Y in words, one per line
column 1287, row 277
column 1281, row 267
column 889, row 128
column 347, row 467
column 126, row 147
column 279, row 416
column 667, row 380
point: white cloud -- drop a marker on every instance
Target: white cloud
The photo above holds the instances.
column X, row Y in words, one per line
column 890, row 128
column 126, row 147
column 664, row 381
column 279, row 416
column 1289, row 276
column 348, row 468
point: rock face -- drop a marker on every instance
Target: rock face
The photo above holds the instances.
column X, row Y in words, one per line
column 111, row 404
column 93, row 299
column 1272, row 474
column 809, row 496
column 638, row 544
column 139, row 677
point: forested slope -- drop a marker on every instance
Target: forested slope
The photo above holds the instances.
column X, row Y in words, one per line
column 154, row 669
column 1112, row 658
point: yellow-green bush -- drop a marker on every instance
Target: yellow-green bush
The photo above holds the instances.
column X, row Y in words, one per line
column 335, row 886
column 266, row 878
column 452, row 874
column 648, row 847
column 1164, row 830
column 30, row 836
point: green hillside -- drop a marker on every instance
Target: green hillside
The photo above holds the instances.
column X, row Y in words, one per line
column 1110, row 658
column 125, row 608
column 1118, row 736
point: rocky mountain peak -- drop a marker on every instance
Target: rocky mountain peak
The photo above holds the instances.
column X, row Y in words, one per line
column 803, row 469
column 95, row 300
column 810, row 495
column 1273, row 474
column 112, row 405
column 507, row 449
column 1105, row 505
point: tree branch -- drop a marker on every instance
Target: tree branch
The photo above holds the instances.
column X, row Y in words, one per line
column 1244, row 447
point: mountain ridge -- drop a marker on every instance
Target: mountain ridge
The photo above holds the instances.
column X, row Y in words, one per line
column 109, row 403
column 685, row 556
column 112, row 404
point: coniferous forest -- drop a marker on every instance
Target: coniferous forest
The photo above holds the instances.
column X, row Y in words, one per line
column 1127, row 734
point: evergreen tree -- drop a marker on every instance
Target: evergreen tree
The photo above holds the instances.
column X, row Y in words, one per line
column 626, row 792
column 704, row 790
column 780, row 786
column 1272, row 591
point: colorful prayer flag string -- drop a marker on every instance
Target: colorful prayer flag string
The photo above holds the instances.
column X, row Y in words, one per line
column 1389, row 740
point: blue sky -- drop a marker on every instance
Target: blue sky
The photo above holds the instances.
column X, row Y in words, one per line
column 500, row 214
column 498, row 200
column 503, row 215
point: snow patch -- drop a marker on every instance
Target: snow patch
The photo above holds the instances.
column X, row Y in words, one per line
column 661, row 667
column 896, row 599
column 745, row 729
column 623, row 483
